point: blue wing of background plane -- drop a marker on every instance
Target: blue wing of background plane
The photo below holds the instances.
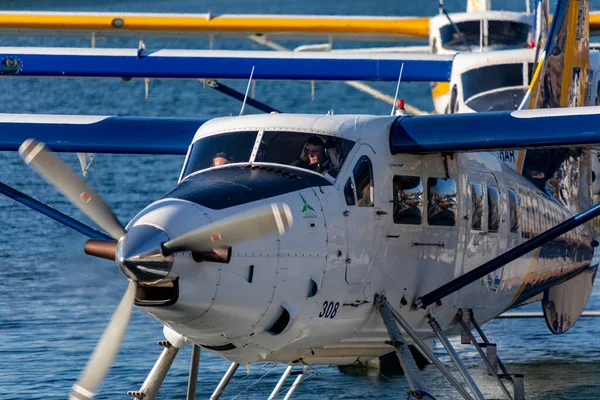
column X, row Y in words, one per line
column 77, row 62
column 99, row 134
column 559, row 127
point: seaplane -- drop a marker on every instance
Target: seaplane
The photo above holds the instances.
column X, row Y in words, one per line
column 332, row 239
column 479, row 29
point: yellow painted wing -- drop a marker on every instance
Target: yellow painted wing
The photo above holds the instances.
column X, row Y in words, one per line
column 194, row 25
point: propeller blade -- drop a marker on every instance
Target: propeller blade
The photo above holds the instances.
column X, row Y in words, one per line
column 102, row 358
column 72, row 186
column 274, row 218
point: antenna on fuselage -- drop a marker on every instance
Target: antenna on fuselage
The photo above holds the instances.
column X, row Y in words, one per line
column 397, row 89
column 247, row 89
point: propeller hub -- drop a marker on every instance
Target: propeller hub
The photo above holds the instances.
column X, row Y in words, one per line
column 140, row 256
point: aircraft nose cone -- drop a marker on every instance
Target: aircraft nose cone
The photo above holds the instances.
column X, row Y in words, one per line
column 139, row 254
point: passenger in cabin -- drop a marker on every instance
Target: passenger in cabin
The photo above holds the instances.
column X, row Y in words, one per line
column 313, row 156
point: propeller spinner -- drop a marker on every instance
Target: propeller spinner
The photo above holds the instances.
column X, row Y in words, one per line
column 144, row 253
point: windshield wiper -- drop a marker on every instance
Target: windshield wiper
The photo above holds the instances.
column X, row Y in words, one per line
column 456, row 28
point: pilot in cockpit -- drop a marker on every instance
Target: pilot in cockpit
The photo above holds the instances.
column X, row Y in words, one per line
column 220, row 159
column 313, row 156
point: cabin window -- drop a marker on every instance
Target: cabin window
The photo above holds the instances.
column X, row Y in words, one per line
column 363, row 177
column 477, row 206
column 493, row 208
column 513, row 205
column 528, row 217
column 441, row 201
column 349, row 193
column 408, row 200
column 536, row 215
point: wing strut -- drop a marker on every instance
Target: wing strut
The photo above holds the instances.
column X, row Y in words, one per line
column 507, row 257
column 226, row 90
column 52, row 213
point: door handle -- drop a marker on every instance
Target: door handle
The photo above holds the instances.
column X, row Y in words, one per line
column 381, row 212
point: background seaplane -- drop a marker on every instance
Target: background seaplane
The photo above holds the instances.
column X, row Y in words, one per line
column 358, row 236
column 478, row 29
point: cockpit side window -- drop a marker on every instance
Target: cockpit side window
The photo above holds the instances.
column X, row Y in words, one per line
column 363, row 177
column 349, row 193
column 320, row 153
column 221, row 149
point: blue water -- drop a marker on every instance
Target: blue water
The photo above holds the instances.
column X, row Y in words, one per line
column 55, row 301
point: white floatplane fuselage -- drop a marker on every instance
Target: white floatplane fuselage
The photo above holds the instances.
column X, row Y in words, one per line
column 398, row 225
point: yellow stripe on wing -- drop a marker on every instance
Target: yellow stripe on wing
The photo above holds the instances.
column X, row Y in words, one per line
column 595, row 21
column 227, row 23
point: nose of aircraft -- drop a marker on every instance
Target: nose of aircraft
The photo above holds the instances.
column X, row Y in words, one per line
column 140, row 255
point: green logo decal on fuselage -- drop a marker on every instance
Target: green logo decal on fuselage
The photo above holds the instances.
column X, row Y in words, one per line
column 307, row 210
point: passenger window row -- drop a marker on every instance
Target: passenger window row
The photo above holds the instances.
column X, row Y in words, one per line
column 478, row 207
column 409, row 206
column 408, row 200
column 538, row 215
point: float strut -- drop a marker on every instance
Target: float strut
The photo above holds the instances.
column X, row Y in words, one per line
column 224, row 381
column 424, row 348
column 295, row 384
column 519, row 386
column 516, row 379
column 157, row 375
column 455, row 358
column 193, row 377
column 407, row 362
column 492, row 366
column 486, row 341
column 282, row 380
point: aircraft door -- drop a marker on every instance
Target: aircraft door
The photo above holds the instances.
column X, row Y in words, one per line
column 492, row 239
column 475, row 246
column 482, row 237
column 364, row 222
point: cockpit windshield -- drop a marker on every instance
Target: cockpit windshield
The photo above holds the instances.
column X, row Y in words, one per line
column 222, row 149
column 319, row 153
column 500, row 33
column 479, row 80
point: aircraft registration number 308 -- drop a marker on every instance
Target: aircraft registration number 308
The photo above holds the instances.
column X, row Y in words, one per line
column 329, row 310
